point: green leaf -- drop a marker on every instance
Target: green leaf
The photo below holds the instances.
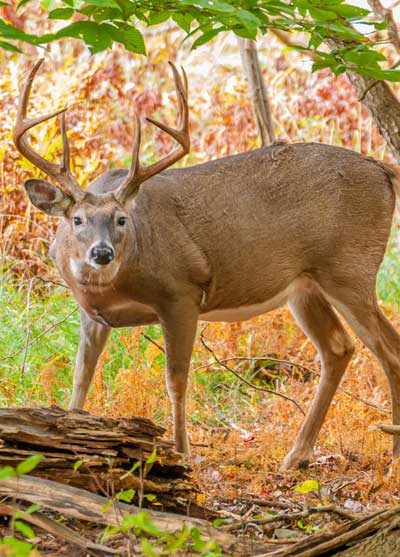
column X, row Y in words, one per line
column 6, row 472
column 96, row 35
column 184, row 21
column 381, row 75
column 158, row 17
column 245, row 32
column 9, row 32
column 61, row 13
column 21, row 548
column 147, row 548
column 152, row 458
column 126, row 496
column 28, row 464
column 349, row 11
column 105, row 507
column 77, row 465
column 137, row 465
column 211, row 5
column 48, row 4
column 248, row 20
column 322, row 15
column 219, row 522
column 10, row 47
column 150, row 497
column 307, row 486
column 24, row 529
column 103, row 3
column 22, row 3
column 130, row 37
column 30, row 510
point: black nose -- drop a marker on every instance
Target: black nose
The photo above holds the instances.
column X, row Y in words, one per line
column 102, row 254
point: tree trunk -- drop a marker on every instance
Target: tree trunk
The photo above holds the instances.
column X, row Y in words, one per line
column 258, row 91
column 381, row 103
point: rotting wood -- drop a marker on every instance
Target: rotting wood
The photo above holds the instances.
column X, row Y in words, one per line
column 333, row 540
column 86, row 506
column 106, row 450
column 57, row 529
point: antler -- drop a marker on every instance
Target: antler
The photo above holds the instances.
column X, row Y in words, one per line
column 61, row 173
column 138, row 173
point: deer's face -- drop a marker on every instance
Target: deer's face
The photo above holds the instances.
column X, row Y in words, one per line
column 98, row 227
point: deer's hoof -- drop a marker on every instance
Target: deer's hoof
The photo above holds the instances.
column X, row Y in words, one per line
column 296, row 459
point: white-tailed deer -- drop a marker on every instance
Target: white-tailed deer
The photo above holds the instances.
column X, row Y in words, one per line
column 304, row 224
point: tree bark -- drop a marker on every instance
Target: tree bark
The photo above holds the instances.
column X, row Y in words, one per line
column 381, row 103
column 258, row 91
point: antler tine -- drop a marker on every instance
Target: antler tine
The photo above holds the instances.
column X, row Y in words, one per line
column 59, row 172
column 138, row 173
column 66, row 161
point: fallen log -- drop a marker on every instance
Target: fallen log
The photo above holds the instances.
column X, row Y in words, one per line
column 96, row 453
column 89, row 507
column 55, row 528
column 359, row 532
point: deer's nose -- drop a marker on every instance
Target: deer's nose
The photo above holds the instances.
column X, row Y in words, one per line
column 102, row 254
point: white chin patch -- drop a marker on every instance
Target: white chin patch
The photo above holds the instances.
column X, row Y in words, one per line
column 76, row 267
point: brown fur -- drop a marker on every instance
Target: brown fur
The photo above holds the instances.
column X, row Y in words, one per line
column 305, row 224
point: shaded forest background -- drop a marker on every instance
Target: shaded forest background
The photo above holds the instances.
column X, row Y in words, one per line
column 240, row 435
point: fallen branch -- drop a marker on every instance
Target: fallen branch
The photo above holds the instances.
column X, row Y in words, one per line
column 299, row 366
column 83, row 505
column 57, row 529
column 349, row 532
column 290, row 516
column 245, row 381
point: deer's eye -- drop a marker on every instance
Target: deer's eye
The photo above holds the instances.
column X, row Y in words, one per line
column 121, row 221
column 77, row 221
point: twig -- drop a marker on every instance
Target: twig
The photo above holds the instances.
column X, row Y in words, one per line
column 28, row 330
column 248, row 383
column 55, row 528
column 299, row 366
column 262, row 358
column 291, row 516
column 153, row 342
column 40, row 335
column 51, row 281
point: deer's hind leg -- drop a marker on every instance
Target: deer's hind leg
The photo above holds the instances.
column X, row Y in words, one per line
column 322, row 326
column 360, row 309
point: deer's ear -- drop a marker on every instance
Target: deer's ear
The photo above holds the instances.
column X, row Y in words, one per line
column 48, row 198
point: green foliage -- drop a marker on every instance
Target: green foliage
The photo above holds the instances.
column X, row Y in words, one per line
column 9, row 545
column 155, row 542
column 104, row 22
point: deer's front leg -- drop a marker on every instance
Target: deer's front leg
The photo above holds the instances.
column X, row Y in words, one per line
column 179, row 322
column 92, row 339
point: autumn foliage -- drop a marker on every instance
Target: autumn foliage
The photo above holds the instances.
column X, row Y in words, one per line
column 239, row 435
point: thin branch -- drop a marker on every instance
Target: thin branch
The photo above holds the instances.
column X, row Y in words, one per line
column 153, row 342
column 55, row 528
column 39, row 336
column 248, row 383
column 387, row 14
column 51, row 281
column 28, row 329
column 291, row 516
column 299, row 366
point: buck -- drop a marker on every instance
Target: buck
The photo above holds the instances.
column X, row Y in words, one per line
column 305, row 224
